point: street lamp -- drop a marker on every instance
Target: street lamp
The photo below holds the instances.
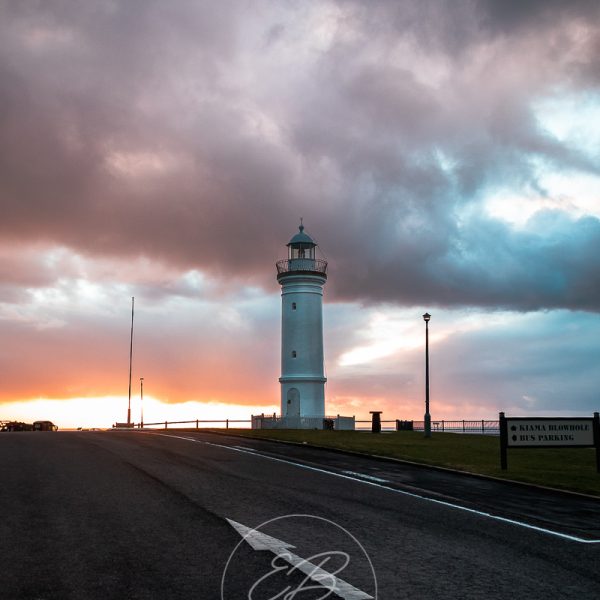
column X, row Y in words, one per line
column 427, row 418
column 142, row 402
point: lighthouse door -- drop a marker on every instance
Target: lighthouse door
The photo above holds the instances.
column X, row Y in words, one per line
column 293, row 403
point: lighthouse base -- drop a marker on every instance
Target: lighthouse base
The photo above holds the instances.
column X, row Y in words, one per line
column 303, row 397
column 338, row 423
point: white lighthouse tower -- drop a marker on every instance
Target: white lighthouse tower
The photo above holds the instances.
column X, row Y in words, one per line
column 302, row 277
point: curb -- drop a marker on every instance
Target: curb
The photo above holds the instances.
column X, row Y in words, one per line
column 413, row 464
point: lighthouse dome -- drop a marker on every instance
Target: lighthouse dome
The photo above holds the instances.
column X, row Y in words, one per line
column 301, row 238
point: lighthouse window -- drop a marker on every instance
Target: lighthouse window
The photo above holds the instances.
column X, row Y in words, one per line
column 293, row 354
column 293, row 306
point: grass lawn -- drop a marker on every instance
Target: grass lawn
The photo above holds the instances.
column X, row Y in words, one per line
column 571, row 469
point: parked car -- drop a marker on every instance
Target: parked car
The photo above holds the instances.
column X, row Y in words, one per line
column 44, row 426
column 17, row 426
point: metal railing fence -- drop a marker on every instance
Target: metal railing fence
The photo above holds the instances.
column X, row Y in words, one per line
column 196, row 423
column 305, row 265
column 480, row 426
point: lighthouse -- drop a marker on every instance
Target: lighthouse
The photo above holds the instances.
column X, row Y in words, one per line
column 302, row 277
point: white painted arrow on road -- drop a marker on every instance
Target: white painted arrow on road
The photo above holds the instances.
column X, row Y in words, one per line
column 262, row 541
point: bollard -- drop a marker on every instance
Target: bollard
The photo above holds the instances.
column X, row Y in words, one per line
column 376, row 421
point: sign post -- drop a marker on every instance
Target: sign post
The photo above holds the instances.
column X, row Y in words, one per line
column 597, row 439
column 503, row 436
column 549, row 432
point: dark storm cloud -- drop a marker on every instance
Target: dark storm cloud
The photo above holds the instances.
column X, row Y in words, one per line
column 455, row 25
column 178, row 132
column 491, row 263
column 508, row 16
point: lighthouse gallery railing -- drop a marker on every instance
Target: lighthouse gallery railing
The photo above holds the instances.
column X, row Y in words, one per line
column 303, row 265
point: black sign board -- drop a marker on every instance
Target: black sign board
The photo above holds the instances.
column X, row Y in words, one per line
column 549, row 432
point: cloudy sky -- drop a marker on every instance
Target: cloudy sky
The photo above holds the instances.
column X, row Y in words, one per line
column 445, row 155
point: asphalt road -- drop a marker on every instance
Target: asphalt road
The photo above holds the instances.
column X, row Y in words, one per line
column 148, row 515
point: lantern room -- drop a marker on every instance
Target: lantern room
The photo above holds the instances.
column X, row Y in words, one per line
column 301, row 246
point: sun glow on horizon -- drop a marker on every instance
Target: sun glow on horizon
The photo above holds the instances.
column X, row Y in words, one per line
column 104, row 411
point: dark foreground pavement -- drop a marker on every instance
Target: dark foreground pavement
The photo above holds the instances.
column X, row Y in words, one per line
column 143, row 515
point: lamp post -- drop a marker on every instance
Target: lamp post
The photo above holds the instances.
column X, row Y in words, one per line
column 427, row 418
column 142, row 402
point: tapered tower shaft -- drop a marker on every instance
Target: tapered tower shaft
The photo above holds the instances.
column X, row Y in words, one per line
column 302, row 278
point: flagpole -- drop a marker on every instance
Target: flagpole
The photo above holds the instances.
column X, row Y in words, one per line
column 141, row 402
column 130, row 361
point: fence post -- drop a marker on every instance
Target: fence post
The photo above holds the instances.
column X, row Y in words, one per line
column 196, row 424
column 482, row 426
column 503, row 441
column 463, row 425
column 226, row 423
column 442, row 424
column 166, row 423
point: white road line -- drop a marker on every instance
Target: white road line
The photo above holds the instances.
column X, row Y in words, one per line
column 365, row 476
column 564, row 536
column 179, row 437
